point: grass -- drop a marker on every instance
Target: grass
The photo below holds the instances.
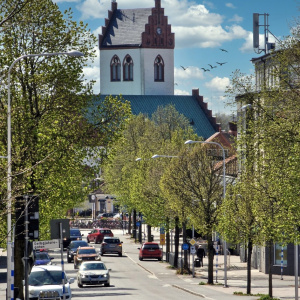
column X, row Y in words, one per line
column 262, row 297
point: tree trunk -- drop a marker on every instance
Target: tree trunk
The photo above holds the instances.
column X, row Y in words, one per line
column 250, row 247
column 211, row 252
column 176, row 238
column 149, row 233
column 167, row 239
column 134, row 224
column 129, row 223
column 19, row 266
column 270, row 269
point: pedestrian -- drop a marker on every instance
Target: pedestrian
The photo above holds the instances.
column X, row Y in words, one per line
column 200, row 254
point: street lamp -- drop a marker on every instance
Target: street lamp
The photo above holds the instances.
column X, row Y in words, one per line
column 157, row 155
column 10, row 267
column 224, row 193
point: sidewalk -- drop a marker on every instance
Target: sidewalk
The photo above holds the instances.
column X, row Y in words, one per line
column 237, row 277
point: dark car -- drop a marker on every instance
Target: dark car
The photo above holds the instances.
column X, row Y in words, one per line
column 111, row 245
column 75, row 235
column 150, row 250
column 42, row 258
column 85, row 254
column 97, row 235
column 72, row 248
column 105, row 215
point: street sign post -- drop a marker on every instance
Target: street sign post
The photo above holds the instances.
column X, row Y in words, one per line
column 51, row 244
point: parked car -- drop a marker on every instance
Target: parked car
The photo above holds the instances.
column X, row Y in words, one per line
column 75, row 235
column 111, row 245
column 150, row 250
column 84, row 254
column 105, row 215
column 93, row 273
column 97, row 235
column 41, row 258
column 72, row 248
column 46, row 282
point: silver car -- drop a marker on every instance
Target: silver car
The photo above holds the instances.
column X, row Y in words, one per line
column 111, row 245
column 93, row 272
column 46, row 282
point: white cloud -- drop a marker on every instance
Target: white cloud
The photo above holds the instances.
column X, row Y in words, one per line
column 230, row 5
column 218, row 84
column 181, row 92
column 236, row 19
column 94, row 8
column 190, row 72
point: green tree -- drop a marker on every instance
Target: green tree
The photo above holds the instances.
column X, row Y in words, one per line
column 54, row 127
column 194, row 180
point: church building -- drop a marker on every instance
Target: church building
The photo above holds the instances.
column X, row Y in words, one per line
column 137, row 61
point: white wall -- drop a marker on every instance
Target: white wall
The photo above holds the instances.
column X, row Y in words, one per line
column 143, row 72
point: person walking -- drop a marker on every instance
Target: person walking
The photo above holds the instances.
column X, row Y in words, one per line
column 200, row 254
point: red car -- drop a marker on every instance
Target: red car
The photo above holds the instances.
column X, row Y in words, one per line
column 97, row 235
column 150, row 250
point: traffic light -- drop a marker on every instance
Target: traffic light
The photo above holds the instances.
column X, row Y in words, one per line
column 33, row 217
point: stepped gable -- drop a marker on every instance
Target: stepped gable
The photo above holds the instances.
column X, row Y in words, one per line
column 141, row 27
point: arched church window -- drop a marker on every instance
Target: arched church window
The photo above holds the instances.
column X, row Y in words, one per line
column 128, row 68
column 159, row 69
column 115, row 69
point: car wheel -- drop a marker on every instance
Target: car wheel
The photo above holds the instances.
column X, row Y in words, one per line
column 120, row 254
column 102, row 253
column 159, row 259
column 79, row 285
column 140, row 258
column 69, row 260
column 106, row 284
column 87, row 239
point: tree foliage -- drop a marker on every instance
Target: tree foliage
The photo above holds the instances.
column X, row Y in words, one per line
column 56, row 121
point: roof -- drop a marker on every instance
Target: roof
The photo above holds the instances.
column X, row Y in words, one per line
column 203, row 124
column 126, row 22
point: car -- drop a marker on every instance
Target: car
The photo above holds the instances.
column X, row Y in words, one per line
column 84, row 254
column 75, row 235
column 105, row 215
column 45, row 282
column 111, row 245
column 97, row 235
column 93, row 272
column 72, row 248
column 41, row 258
column 150, row 250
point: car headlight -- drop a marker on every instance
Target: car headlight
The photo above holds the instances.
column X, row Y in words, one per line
column 84, row 276
column 79, row 258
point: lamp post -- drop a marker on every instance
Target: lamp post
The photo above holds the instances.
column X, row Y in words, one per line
column 224, row 193
column 10, row 268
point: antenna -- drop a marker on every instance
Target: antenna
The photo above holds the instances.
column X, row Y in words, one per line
column 267, row 46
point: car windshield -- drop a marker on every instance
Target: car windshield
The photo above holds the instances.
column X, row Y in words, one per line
column 112, row 241
column 87, row 251
column 93, row 266
column 77, row 244
column 152, row 247
column 75, row 233
column 45, row 277
column 41, row 256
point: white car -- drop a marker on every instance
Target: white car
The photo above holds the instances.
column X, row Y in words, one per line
column 45, row 282
column 93, row 272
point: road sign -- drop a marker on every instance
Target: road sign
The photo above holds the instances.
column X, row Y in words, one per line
column 51, row 244
column 162, row 239
column 193, row 250
column 192, row 242
column 138, row 224
column 185, row 246
column 162, row 230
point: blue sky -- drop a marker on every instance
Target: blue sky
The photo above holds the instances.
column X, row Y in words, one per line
column 201, row 29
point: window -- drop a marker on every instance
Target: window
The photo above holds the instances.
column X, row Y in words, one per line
column 115, row 69
column 128, row 68
column 159, row 69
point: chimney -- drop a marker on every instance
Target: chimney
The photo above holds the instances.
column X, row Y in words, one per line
column 114, row 5
column 157, row 4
